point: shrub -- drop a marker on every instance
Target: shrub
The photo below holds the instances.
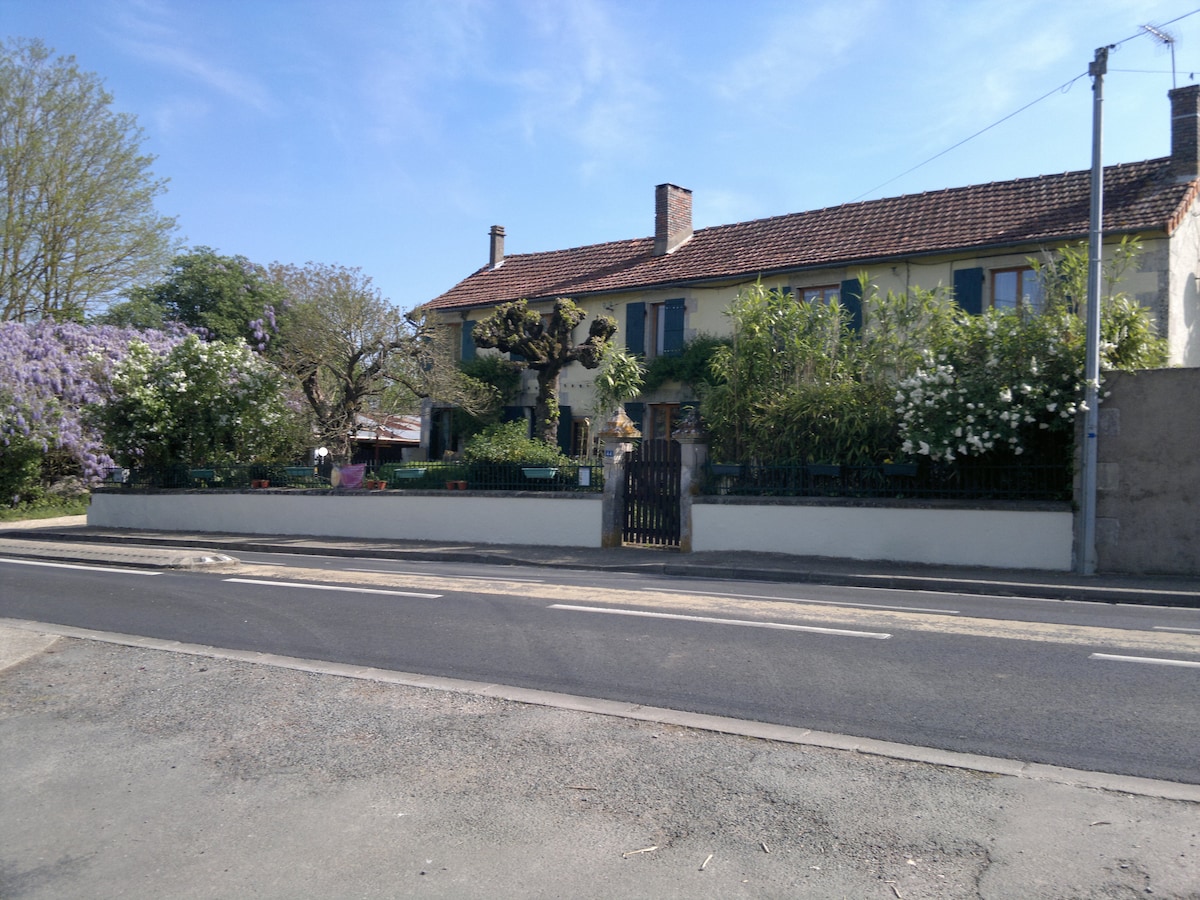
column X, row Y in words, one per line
column 508, row 442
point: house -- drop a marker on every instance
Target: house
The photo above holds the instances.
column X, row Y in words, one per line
column 671, row 286
column 379, row 438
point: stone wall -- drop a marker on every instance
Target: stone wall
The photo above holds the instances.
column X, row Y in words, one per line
column 1148, row 473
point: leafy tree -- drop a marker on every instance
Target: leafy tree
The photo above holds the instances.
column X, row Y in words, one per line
column 691, row 366
column 346, row 346
column 223, row 298
column 619, row 380
column 211, row 403
column 545, row 345
column 78, row 224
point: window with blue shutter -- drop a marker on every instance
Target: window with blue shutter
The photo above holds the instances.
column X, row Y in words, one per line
column 968, row 289
column 635, row 328
column 468, row 342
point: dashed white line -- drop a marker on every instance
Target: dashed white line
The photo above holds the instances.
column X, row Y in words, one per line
column 332, row 587
column 53, row 565
column 1148, row 660
column 877, row 635
column 945, row 612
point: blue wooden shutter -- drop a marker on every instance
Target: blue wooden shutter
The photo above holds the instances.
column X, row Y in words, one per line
column 635, row 328
column 636, row 413
column 564, row 429
column 968, row 289
column 468, row 342
column 672, row 311
column 851, row 298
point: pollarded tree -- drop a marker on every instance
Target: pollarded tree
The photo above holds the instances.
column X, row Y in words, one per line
column 78, row 224
column 546, row 345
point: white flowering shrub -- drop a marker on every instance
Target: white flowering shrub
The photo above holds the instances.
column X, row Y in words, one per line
column 1007, row 383
column 202, row 403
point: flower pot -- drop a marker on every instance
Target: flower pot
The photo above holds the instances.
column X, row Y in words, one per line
column 539, row 473
column 451, row 485
column 257, row 483
column 462, row 485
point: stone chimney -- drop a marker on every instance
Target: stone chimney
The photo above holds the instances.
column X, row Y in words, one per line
column 672, row 218
column 497, row 247
column 1185, row 132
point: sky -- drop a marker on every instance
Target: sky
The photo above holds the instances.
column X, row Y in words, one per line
column 391, row 135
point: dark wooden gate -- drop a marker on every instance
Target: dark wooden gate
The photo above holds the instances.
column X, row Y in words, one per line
column 652, row 474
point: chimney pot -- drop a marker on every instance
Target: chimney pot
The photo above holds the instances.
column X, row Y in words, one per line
column 497, row 247
column 672, row 218
column 1185, row 132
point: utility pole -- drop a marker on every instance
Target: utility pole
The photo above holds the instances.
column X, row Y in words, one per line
column 1085, row 561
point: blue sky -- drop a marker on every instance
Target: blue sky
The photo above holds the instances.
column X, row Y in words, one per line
column 390, row 135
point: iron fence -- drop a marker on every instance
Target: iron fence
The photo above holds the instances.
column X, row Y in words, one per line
column 575, row 477
column 964, row 480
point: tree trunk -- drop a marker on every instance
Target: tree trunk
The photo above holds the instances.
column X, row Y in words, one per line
column 545, row 410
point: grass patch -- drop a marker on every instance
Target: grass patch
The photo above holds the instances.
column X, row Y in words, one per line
column 45, row 509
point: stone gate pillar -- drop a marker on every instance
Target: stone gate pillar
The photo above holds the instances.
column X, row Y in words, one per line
column 617, row 436
column 693, row 454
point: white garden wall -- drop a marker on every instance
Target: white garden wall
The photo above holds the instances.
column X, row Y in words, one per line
column 564, row 520
column 1003, row 538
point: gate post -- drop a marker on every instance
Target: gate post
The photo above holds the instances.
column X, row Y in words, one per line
column 693, row 454
column 616, row 436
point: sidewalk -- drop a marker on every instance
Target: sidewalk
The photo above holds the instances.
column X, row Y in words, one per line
column 72, row 539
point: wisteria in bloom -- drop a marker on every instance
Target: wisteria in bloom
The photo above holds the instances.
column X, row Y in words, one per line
column 52, row 373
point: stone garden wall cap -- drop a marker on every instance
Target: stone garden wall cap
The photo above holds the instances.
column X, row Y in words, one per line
column 620, row 426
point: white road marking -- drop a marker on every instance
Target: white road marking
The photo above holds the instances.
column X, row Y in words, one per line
column 438, row 575
column 52, row 565
column 877, row 635
column 1149, row 660
column 332, row 587
column 945, row 612
column 1169, row 628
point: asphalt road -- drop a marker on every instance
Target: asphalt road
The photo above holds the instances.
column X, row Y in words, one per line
column 932, row 670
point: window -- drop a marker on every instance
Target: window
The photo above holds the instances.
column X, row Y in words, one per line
column 1016, row 288
column 660, row 421
column 825, row 293
column 667, row 326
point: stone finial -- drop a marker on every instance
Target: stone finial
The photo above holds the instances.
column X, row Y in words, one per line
column 619, row 427
column 689, row 429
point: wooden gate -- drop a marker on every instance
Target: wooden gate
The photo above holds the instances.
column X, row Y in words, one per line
column 652, row 473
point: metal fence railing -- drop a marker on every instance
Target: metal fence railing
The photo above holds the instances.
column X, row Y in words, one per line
column 574, row 477
column 966, row 480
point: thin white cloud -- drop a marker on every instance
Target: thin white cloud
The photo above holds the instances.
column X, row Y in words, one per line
column 168, row 36
column 794, row 49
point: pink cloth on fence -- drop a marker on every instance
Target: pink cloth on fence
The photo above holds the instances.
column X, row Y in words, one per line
column 349, row 477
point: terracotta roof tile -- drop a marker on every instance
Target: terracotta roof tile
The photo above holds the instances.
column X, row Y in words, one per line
column 1138, row 197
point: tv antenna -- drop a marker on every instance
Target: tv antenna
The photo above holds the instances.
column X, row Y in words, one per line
column 1169, row 41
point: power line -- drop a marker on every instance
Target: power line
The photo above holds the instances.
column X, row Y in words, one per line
column 1062, row 88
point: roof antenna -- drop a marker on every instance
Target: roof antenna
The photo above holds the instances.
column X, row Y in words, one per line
column 1169, row 41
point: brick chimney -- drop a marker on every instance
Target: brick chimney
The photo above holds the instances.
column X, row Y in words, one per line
column 1185, row 132
column 672, row 218
column 497, row 247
